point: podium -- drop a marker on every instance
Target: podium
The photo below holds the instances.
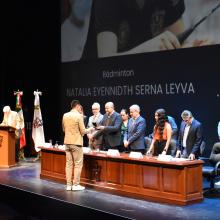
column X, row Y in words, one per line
column 7, row 147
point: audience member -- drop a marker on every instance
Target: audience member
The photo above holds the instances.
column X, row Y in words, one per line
column 215, row 154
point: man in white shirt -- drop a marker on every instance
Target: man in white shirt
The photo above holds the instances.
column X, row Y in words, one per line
column 94, row 121
column 190, row 137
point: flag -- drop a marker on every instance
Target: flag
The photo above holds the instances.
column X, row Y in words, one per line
column 21, row 118
column 37, row 127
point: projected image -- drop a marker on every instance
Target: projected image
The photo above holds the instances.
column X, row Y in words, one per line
column 74, row 28
column 106, row 28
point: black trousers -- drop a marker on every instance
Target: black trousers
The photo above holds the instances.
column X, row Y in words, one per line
column 159, row 147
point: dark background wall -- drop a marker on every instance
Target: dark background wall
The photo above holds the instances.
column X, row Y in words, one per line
column 31, row 60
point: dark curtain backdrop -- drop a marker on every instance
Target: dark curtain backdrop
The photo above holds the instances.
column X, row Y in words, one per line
column 31, row 60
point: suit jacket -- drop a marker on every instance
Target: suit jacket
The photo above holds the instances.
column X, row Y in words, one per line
column 98, row 120
column 112, row 131
column 73, row 127
column 136, row 132
column 194, row 138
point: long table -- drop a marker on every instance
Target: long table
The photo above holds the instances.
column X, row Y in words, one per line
column 147, row 178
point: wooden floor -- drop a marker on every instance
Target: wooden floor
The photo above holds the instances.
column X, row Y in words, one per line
column 23, row 190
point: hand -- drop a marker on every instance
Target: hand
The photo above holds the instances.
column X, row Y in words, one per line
column 165, row 41
column 198, row 43
column 126, row 143
column 91, row 129
column 192, row 156
column 100, row 127
column 90, row 136
column 178, row 154
column 164, row 152
column 149, row 152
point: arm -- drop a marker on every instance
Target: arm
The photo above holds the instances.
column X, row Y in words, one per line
column 115, row 127
column 82, row 128
column 141, row 126
column 126, row 133
column 107, row 42
column 151, row 148
column 198, row 139
column 169, row 133
column 179, row 142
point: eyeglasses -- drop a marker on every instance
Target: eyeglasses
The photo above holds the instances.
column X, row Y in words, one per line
column 95, row 109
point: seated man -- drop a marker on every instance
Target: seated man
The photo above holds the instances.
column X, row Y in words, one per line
column 215, row 154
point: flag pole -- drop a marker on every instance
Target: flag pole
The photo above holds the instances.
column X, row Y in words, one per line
column 37, row 127
column 22, row 139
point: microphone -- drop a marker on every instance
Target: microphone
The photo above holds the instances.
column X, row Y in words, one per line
column 183, row 36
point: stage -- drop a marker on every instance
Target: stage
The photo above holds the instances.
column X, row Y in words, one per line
column 23, row 193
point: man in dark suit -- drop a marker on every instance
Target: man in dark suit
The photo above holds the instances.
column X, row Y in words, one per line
column 110, row 128
column 190, row 137
column 134, row 137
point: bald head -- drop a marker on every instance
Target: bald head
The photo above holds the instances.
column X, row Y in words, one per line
column 109, row 108
column 6, row 109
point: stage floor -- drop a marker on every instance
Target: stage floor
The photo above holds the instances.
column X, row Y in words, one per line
column 25, row 178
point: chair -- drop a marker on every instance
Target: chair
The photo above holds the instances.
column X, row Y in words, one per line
column 211, row 171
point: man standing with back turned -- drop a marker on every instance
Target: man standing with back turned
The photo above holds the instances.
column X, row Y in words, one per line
column 74, row 129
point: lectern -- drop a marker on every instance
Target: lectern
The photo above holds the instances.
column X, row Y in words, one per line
column 7, row 146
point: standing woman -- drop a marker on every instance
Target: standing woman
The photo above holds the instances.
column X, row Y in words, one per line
column 124, row 127
column 161, row 135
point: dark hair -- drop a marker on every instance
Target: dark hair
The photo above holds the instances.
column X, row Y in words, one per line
column 160, row 123
column 74, row 103
column 124, row 110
